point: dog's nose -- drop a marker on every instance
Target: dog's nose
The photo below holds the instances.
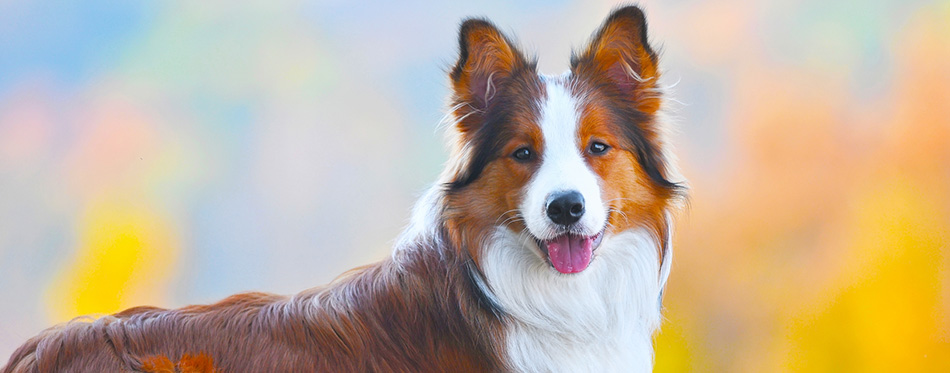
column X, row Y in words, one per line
column 566, row 208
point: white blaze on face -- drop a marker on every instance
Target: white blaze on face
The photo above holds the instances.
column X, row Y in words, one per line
column 563, row 168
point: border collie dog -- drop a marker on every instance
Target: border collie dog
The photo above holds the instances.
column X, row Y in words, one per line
column 544, row 246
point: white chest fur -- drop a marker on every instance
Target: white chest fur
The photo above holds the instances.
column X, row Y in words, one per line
column 599, row 320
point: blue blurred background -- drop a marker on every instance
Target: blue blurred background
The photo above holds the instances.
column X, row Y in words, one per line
column 171, row 153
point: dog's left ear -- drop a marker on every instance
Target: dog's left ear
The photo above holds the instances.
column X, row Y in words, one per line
column 620, row 54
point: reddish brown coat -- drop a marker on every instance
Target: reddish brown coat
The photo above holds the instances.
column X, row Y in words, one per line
column 413, row 313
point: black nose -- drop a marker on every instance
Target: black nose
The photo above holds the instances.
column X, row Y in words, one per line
column 566, row 208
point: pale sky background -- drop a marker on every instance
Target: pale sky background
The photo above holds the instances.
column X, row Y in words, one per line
column 172, row 153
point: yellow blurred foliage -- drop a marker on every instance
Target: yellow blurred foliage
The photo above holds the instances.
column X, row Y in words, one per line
column 123, row 260
column 822, row 244
column 885, row 314
column 675, row 349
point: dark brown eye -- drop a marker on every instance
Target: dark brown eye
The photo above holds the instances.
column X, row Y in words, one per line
column 523, row 154
column 598, row 148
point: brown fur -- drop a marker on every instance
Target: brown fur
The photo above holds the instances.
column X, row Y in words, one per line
column 617, row 74
column 414, row 313
column 200, row 363
column 495, row 93
column 632, row 197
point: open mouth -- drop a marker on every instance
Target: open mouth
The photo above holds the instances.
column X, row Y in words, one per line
column 570, row 253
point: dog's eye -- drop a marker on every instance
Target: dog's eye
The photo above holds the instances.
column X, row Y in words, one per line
column 598, row 148
column 523, row 154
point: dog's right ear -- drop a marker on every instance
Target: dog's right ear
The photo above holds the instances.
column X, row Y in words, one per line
column 486, row 59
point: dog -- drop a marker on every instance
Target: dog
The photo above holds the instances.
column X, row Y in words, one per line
column 544, row 246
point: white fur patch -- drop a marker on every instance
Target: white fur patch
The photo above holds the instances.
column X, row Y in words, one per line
column 562, row 167
column 598, row 320
column 424, row 221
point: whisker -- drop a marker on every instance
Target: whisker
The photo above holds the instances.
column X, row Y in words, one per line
column 506, row 213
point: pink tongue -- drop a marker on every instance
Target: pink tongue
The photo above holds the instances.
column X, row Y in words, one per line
column 570, row 254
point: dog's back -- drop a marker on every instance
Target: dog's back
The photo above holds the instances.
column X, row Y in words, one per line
column 415, row 312
column 154, row 339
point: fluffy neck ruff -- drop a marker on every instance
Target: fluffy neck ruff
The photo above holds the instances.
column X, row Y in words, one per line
column 602, row 319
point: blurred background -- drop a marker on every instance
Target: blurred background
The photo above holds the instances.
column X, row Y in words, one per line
column 177, row 152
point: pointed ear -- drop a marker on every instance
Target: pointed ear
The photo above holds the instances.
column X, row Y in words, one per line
column 620, row 54
column 486, row 58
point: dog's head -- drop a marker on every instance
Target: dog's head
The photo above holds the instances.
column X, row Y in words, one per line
column 566, row 160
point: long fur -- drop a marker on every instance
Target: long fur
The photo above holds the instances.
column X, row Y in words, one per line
column 469, row 286
column 415, row 312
